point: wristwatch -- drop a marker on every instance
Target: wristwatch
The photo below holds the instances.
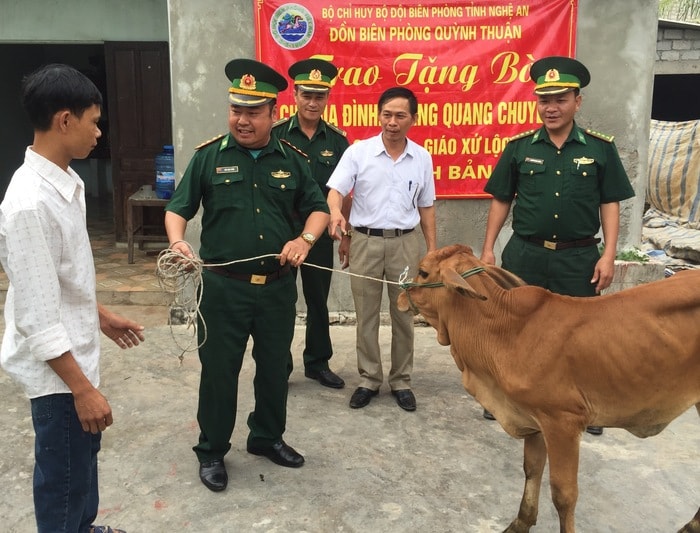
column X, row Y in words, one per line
column 309, row 238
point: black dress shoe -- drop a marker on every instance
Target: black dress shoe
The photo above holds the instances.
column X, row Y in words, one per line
column 326, row 377
column 594, row 430
column 213, row 475
column 361, row 397
column 488, row 415
column 280, row 453
column 405, row 399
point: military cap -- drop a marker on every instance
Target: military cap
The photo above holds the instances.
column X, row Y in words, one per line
column 313, row 75
column 253, row 83
column 558, row 74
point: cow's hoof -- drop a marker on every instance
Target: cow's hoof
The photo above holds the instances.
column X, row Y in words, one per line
column 517, row 526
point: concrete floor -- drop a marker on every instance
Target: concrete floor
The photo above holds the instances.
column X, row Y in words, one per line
column 378, row 469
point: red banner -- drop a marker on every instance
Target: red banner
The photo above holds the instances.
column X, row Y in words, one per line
column 468, row 63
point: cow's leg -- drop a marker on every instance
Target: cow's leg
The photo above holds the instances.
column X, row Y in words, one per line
column 534, row 459
column 563, row 453
column 693, row 526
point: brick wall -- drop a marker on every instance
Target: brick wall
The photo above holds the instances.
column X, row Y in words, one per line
column 677, row 48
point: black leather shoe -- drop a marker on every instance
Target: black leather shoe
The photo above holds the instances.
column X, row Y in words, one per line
column 361, row 397
column 326, row 377
column 405, row 399
column 280, row 453
column 213, row 475
column 594, row 430
column 488, row 415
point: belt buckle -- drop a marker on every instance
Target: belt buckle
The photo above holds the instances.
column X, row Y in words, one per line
column 258, row 279
column 388, row 233
column 550, row 245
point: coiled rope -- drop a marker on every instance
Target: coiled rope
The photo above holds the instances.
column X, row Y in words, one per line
column 181, row 277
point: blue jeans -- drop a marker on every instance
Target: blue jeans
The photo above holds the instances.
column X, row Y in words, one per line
column 65, row 470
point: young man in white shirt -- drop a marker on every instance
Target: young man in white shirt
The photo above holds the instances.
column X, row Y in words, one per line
column 51, row 345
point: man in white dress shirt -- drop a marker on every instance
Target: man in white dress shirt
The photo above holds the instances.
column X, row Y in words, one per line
column 51, row 345
column 391, row 180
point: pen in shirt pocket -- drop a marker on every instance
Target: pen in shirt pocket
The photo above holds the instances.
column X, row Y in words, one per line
column 409, row 185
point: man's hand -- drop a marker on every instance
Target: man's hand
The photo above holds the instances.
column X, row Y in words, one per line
column 603, row 273
column 93, row 410
column 488, row 257
column 344, row 252
column 294, row 252
column 184, row 249
column 124, row 332
column 337, row 227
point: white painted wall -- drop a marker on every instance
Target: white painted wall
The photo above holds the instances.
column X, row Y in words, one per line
column 83, row 21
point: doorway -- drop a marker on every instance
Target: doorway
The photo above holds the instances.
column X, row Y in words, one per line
column 134, row 78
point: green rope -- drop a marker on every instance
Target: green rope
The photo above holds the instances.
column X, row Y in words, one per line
column 409, row 284
column 406, row 285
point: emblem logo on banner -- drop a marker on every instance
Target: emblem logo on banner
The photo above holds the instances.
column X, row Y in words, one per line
column 292, row 26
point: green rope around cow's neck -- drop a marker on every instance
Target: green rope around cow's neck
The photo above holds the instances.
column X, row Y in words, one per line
column 405, row 285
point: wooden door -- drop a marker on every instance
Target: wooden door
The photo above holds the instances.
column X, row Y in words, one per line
column 139, row 111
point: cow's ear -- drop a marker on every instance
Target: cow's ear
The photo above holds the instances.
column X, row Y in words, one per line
column 453, row 280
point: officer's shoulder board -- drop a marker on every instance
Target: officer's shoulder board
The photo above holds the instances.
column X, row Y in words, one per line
column 598, row 135
column 522, row 135
column 280, row 122
column 297, row 150
column 336, row 129
column 210, row 141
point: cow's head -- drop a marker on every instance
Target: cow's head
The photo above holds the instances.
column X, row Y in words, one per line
column 453, row 268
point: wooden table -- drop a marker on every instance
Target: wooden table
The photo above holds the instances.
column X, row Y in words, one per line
column 136, row 230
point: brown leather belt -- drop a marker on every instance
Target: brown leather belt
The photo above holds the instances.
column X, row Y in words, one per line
column 374, row 232
column 255, row 279
column 561, row 245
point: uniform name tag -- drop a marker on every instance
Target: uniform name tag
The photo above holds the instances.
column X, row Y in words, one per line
column 583, row 161
column 226, row 170
column 535, row 161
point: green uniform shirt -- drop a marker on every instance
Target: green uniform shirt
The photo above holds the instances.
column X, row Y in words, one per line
column 324, row 148
column 249, row 205
column 558, row 192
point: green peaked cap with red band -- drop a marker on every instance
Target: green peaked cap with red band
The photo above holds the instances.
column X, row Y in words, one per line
column 253, row 83
column 558, row 74
column 314, row 75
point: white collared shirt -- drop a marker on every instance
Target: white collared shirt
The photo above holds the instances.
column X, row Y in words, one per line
column 51, row 305
column 386, row 194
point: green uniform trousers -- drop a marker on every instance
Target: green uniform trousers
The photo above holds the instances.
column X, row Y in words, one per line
column 567, row 271
column 233, row 311
column 316, row 284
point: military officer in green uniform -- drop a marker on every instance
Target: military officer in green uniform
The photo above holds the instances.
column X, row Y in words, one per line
column 323, row 143
column 566, row 181
column 252, row 188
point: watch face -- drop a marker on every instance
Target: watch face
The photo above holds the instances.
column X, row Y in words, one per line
column 308, row 237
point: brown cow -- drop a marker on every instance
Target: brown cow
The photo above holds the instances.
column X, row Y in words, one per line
column 548, row 365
